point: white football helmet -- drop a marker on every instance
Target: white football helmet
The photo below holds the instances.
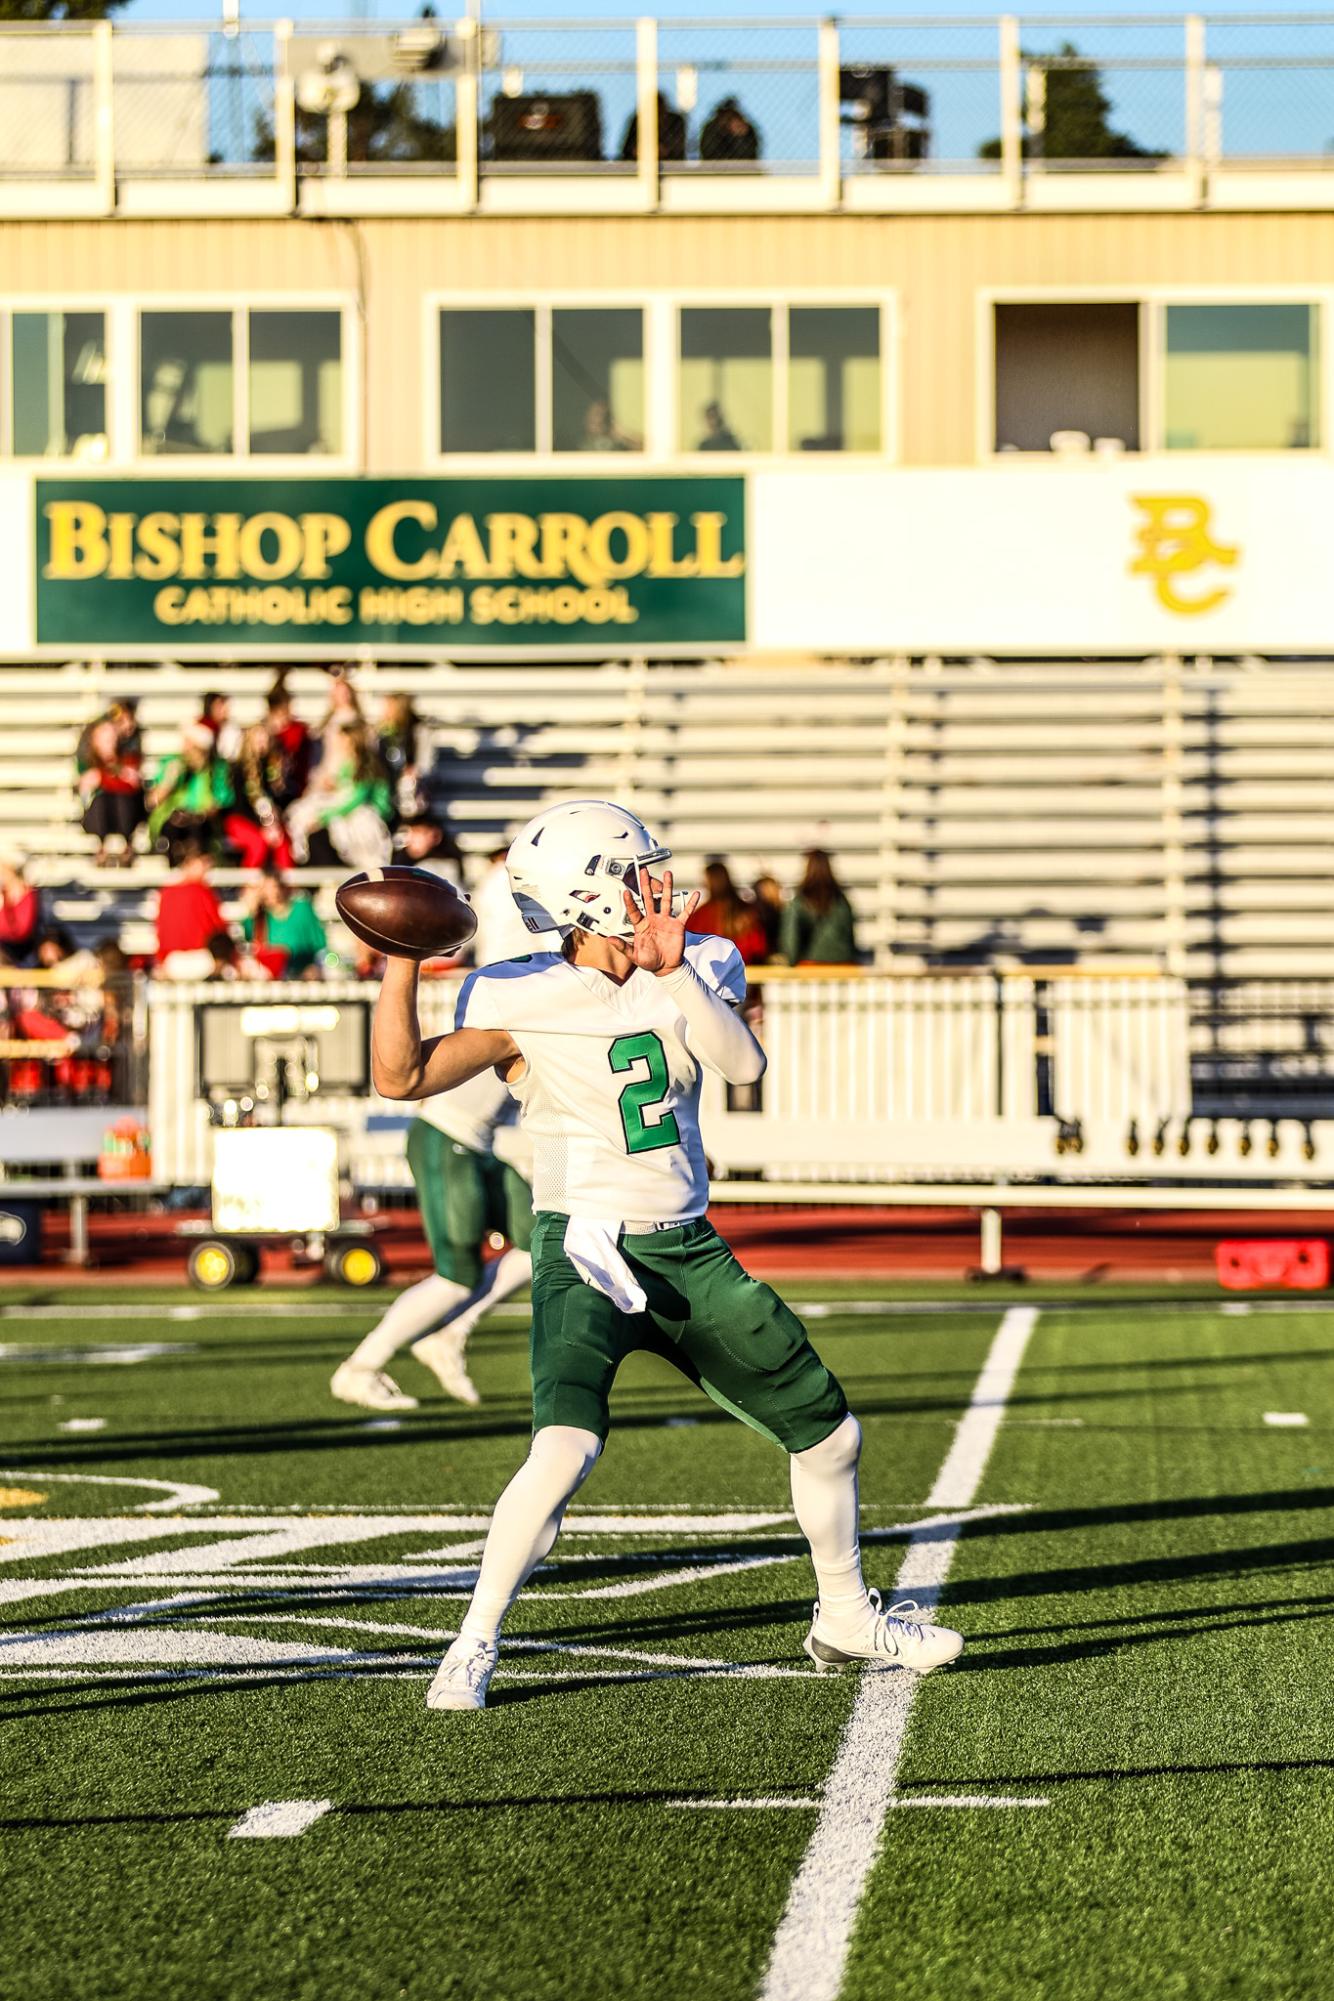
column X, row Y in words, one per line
column 569, row 866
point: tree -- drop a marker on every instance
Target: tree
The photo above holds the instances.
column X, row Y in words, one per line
column 1077, row 115
column 58, row 10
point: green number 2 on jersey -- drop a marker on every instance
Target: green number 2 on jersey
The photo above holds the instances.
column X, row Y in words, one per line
column 643, row 1096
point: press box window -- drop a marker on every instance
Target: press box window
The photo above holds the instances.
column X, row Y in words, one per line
column 833, row 369
column 488, row 380
column 58, row 385
column 1067, row 376
column 296, row 383
column 597, row 379
column 187, row 384
column 725, row 379
column 1240, row 378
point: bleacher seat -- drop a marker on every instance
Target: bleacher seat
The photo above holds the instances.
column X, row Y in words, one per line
column 1149, row 811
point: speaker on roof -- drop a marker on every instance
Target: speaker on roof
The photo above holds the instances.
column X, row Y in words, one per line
column 550, row 129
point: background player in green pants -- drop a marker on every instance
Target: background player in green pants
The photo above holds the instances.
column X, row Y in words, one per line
column 603, row 1045
column 471, row 1166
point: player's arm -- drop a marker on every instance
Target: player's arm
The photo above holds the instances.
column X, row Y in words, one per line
column 402, row 1065
column 718, row 1035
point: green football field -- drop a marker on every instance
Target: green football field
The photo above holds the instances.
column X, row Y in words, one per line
column 224, row 1595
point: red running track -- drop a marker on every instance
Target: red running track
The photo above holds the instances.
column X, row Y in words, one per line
column 1092, row 1246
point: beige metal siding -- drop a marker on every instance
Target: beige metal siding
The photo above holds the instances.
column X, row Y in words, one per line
column 937, row 265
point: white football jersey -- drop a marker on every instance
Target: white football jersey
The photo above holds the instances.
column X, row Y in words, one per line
column 610, row 1094
column 472, row 1113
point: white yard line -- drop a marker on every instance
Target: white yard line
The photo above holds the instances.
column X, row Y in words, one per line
column 278, row 1819
column 810, row 1947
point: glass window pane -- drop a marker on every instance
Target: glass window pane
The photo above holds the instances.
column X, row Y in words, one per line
column 1066, row 368
column 834, row 379
column 487, row 382
column 59, row 385
column 296, row 382
column 185, row 382
column 1240, row 378
column 597, row 379
column 725, row 386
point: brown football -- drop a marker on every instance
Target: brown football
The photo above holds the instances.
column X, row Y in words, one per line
column 406, row 912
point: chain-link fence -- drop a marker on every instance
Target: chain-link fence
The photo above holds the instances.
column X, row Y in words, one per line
column 740, row 99
column 47, row 110
column 1269, row 88
column 188, row 103
column 1103, row 94
column 555, row 97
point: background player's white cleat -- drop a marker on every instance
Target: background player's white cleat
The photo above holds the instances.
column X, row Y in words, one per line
column 464, row 1675
column 889, row 1639
column 443, row 1356
column 371, row 1388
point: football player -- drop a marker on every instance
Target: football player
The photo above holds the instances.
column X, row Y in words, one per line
column 603, row 1043
column 470, row 1165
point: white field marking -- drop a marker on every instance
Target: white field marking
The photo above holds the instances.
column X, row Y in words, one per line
column 1235, row 1308
column 82, row 1424
column 142, row 1351
column 381, row 1424
column 278, row 1820
column 810, row 1947
column 963, row 1799
column 179, row 1493
column 1287, row 1419
column 704, row 1804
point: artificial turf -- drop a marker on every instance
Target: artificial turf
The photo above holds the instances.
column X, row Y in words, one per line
column 1146, row 1652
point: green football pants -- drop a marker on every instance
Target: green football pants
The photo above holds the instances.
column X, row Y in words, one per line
column 726, row 1331
column 464, row 1195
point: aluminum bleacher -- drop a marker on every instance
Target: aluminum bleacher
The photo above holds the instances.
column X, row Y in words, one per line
column 1162, row 812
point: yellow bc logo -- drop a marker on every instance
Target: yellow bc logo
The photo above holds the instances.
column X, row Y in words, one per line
column 1175, row 541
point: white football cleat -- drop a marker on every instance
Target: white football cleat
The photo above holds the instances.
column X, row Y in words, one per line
column 889, row 1639
column 371, row 1388
column 443, row 1356
column 464, row 1675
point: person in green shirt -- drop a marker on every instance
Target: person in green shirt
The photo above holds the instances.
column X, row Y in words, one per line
column 190, row 793
column 281, row 920
column 818, row 928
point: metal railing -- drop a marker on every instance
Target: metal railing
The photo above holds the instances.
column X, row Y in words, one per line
column 1014, row 96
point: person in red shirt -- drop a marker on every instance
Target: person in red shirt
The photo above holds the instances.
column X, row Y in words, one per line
column 111, row 783
column 20, row 915
column 728, row 914
column 291, row 739
column 189, row 917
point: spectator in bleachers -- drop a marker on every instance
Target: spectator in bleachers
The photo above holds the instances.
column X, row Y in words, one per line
column 254, row 826
column 767, row 891
column 191, row 794
column 290, row 748
column 20, row 914
column 818, row 927
column 189, row 915
column 728, row 134
column 216, row 716
column 397, row 736
column 344, row 816
column 422, row 842
column 344, row 708
column 281, row 927
column 111, row 785
column 726, row 913
column 718, row 433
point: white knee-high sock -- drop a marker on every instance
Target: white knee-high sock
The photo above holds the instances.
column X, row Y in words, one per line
column 506, row 1275
column 412, row 1314
column 824, row 1496
column 527, row 1521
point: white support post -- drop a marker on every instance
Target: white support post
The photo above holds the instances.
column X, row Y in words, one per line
column 831, row 163
column 104, row 116
column 891, row 807
column 1173, row 806
column 467, row 87
column 646, row 108
column 1195, row 87
column 284, row 115
column 992, row 1247
column 1011, row 110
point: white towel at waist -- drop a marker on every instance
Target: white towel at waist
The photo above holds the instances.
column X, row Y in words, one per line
column 592, row 1250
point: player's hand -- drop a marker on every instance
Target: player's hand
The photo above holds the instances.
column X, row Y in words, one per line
column 659, row 940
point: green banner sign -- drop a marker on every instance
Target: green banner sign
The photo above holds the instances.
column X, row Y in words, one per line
column 235, row 563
